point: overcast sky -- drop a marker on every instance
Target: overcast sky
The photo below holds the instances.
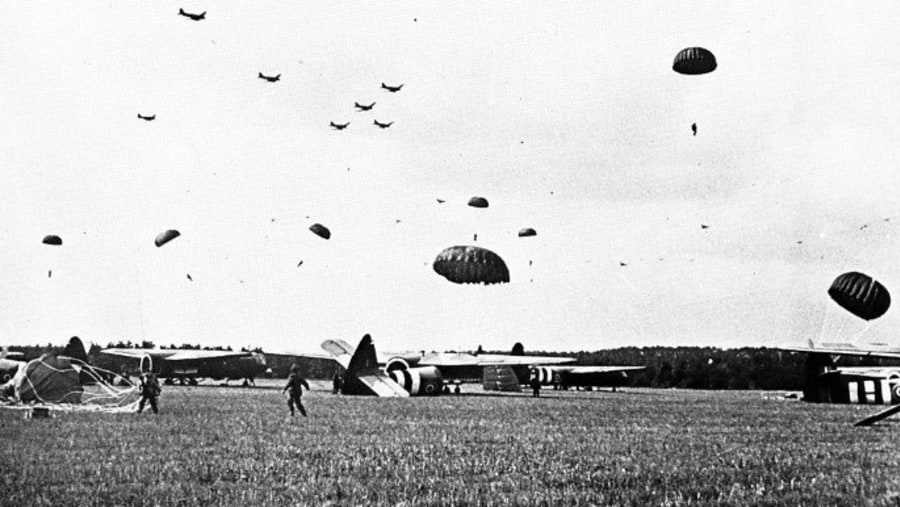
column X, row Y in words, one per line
column 566, row 116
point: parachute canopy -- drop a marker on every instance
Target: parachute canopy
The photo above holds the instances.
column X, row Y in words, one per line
column 860, row 295
column 167, row 236
column 527, row 232
column 48, row 379
column 52, row 240
column 478, row 202
column 693, row 61
column 320, row 230
column 471, row 264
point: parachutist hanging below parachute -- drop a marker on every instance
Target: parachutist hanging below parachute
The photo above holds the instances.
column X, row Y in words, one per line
column 694, row 128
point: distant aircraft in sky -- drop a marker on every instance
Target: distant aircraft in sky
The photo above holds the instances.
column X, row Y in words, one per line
column 185, row 365
column 392, row 89
column 420, row 373
column 363, row 107
column 337, row 126
column 694, row 128
column 189, row 277
column 147, row 118
column 195, row 17
column 383, row 125
column 704, row 226
column 270, row 79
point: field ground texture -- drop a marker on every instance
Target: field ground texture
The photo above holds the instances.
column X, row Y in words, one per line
column 230, row 446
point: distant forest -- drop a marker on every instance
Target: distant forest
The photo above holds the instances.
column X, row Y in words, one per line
column 684, row 367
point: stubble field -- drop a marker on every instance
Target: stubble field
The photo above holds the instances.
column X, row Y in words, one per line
column 230, row 446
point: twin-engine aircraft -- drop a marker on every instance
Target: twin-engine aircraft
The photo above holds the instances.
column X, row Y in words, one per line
column 186, row 365
column 420, row 373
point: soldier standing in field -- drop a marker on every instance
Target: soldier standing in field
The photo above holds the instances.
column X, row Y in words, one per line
column 150, row 391
column 295, row 384
column 535, row 385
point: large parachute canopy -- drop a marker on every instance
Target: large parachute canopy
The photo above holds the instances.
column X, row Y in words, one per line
column 48, row 379
column 527, row 232
column 52, row 240
column 471, row 264
column 478, row 202
column 166, row 236
column 694, row 61
column 860, row 295
column 320, row 230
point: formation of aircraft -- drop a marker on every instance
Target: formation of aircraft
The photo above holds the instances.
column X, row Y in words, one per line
column 185, row 365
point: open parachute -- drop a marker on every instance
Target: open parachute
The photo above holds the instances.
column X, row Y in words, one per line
column 165, row 237
column 471, row 264
column 694, row 61
column 320, row 230
column 860, row 295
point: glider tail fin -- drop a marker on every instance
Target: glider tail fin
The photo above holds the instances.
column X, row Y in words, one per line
column 75, row 350
column 364, row 376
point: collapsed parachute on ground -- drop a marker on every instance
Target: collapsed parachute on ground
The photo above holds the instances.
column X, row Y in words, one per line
column 471, row 264
column 165, row 237
column 52, row 240
column 48, row 379
column 860, row 295
column 694, row 61
column 320, row 230
column 527, row 232
column 478, row 202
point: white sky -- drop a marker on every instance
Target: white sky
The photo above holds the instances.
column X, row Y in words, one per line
column 797, row 141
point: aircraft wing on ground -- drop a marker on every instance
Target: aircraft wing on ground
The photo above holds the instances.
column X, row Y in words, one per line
column 175, row 355
column 507, row 359
column 845, row 349
column 188, row 364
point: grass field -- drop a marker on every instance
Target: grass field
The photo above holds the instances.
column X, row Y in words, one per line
column 229, row 446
